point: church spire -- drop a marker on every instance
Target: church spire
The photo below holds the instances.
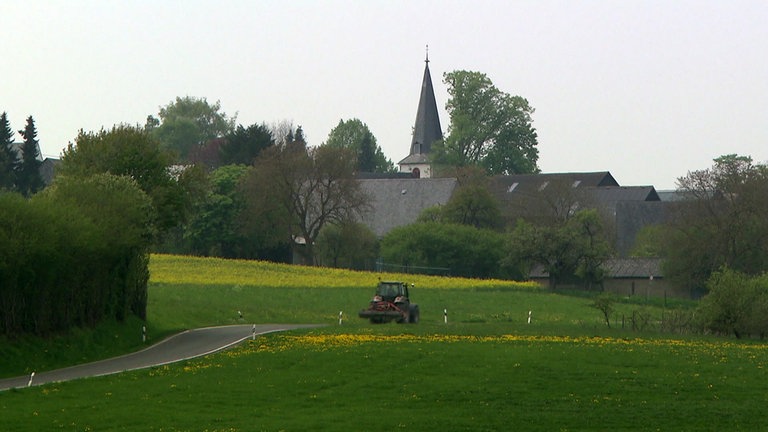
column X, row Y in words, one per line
column 426, row 129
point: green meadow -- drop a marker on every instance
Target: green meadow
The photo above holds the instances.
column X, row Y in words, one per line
column 486, row 369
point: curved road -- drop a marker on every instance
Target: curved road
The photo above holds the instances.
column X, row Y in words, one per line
column 183, row 346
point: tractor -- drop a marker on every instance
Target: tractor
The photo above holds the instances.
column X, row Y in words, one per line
column 391, row 302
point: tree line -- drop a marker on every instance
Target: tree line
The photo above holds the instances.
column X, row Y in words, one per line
column 19, row 170
column 209, row 186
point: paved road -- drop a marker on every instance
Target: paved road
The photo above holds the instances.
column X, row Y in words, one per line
column 183, row 346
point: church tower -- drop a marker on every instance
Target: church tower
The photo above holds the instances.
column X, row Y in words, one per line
column 426, row 130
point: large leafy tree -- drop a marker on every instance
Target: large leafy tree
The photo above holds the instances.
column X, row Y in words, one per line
column 489, row 128
column 721, row 223
column 133, row 152
column 301, row 190
column 471, row 204
column 355, row 135
column 214, row 227
column 571, row 251
column 28, row 179
column 187, row 123
column 8, row 158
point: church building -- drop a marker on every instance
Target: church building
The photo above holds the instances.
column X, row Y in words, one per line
column 426, row 131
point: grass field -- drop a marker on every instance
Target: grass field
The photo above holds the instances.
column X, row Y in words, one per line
column 487, row 369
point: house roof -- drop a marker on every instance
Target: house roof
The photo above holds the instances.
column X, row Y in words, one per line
column 414, row 159
column 620, row 268
column 531, row 183
column 634, row 268
column 397, row 202
column 17, row 147
column 366, row 175
column 426, row 129
column 671, row 195
column 608, row 194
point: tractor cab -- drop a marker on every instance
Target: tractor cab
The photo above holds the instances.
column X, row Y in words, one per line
column 391, row 291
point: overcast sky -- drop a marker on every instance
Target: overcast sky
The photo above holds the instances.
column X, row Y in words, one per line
column 647, row 90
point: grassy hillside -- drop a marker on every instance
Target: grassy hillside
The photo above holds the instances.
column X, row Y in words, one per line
column 486, row 369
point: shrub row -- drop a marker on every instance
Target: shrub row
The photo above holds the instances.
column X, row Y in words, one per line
column 73, row 255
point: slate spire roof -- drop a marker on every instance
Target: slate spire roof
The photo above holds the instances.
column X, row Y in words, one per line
column 427, row 129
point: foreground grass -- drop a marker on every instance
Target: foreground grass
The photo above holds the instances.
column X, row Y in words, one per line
column 378, row 379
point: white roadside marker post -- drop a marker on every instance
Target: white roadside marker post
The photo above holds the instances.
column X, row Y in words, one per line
column 143, row 334
column 340, row 315
column 32, row 375
column 529, row 317
column 445, row 315
column 253, row 332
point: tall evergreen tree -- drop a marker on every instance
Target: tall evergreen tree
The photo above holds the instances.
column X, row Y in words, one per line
column 28, row 179
column 366, row 156
column 8, row 158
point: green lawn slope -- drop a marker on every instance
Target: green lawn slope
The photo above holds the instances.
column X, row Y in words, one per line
column 486, row 369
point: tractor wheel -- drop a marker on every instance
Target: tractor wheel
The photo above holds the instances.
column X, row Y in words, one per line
column 413, row 314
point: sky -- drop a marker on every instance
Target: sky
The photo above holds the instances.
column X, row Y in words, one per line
column 648, row 90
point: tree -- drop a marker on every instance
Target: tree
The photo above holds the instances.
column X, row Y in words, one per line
column 604, row 303
column 488, row 127
column 284, row 133
column 355, row 135
column 721, row 223
column 8, row 159
column 122, row 217
column 301, row 190
column 574, row 249
column 28, row 179
column 188, row 123
column 74, row 254
column 736, row 303
column 473, row 204
column 131, row 151
column 214, row 227
column 650, row 241
column 349, row 245
column 243, row 145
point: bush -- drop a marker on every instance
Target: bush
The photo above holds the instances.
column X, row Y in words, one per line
column 464, row 250
column 736, row 304
column 73, row 255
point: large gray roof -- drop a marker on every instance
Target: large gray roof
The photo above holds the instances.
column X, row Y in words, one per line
column 398, row 202
column 620, row 268
column 609, row 194
column 533, row 183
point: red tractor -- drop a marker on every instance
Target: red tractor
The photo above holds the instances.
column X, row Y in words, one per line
column 391, row 302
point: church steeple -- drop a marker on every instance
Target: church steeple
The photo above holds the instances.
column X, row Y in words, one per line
column 426, row 129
